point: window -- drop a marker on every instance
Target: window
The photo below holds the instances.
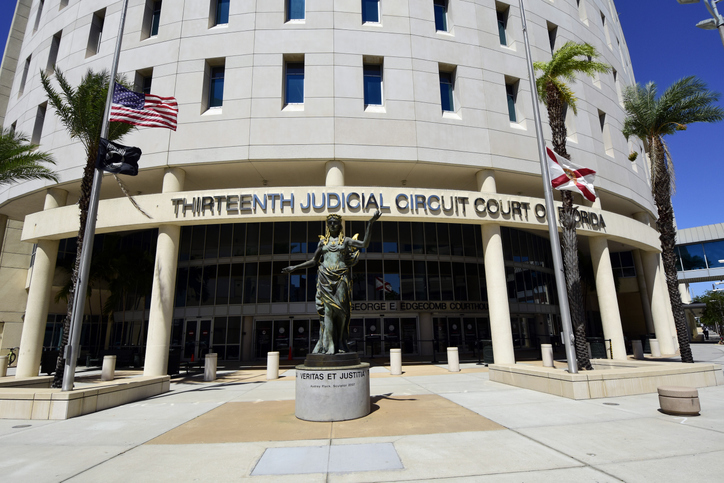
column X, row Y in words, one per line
column 502, row 13
column 295, row 10
column 582, row 11
column 605, row 31
column 623, row 265
column 37, row 15
column 151, row 19
column 63, row 4
column 216, row 85
column 440, row 15
column 294, row 83
column 24, row 77
column 605, row 133
column 96, row 33
column 370, row 11
column 552, row 33
column 53, row 55
column 39, row 120
column 13, row 127
column 511, row 92
column 142, row 82
column 219, row 14
column 372, row 84
column 446, row 91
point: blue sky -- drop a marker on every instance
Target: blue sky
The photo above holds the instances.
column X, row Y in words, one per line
column 665, row 46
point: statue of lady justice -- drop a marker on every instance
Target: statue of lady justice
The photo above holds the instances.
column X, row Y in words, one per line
column 335, row 255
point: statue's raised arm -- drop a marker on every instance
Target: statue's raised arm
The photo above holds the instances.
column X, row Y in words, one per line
column 365, row 242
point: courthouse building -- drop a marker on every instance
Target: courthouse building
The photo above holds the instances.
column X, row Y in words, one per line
column 290, row 111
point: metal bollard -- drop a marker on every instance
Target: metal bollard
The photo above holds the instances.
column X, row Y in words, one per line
column 396, row 362
column 3, row 366
column 638, row 349
column 272, row 365
column 210, row 364
column 655, row 348
column 547, row 354
column 453, row 360
column 108, row 371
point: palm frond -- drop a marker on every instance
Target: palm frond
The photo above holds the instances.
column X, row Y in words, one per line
column 21, row 161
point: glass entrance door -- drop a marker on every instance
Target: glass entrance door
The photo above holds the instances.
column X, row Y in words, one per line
column 196, row 339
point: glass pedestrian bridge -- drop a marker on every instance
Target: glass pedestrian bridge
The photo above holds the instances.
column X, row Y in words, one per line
column 700, row 253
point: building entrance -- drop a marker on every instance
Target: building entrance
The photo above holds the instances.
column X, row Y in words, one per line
column 196, row 339
column 369, row 336
column 374, row 336
column 280, row 335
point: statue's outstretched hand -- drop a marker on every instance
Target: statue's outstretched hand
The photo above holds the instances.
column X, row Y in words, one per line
column 376, row 216
column 289, row 269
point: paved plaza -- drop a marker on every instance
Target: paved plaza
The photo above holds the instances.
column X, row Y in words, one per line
column 426, row 425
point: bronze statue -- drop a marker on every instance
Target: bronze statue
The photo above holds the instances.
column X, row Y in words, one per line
column 335, row 255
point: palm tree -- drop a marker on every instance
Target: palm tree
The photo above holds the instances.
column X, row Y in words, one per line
column 571, row 59
column 20, row 160
column 81, row 111
column 650, row 118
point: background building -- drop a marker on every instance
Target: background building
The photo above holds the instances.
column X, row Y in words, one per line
column 291, row 110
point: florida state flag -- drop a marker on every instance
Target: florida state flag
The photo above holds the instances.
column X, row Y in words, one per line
column 566, row 175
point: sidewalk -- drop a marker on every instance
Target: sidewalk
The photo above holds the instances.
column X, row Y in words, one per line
column 426, row 425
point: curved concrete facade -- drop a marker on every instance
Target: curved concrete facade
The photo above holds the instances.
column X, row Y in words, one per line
column 407, row 146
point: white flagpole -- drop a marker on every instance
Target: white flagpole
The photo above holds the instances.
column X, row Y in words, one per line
column 72, row 350
column 550, row 209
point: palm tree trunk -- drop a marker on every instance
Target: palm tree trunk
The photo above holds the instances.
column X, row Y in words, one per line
column 85, row 190
column 667, row 235
column 569, row 239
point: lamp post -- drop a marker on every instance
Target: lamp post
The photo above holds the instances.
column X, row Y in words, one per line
column 716, row 22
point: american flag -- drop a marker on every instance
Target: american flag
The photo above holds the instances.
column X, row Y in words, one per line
column 143, row 109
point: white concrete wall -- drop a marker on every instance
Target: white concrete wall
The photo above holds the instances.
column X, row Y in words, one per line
column 411, row 136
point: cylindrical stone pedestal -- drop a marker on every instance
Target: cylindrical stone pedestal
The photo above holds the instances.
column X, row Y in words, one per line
column 210, row 364
column 329, row 393
column 108, row 371
column 272, row 365
column 547, row 354
column 453, row 360
column 3, row 366
column 638, row 349
column 655, row 350
column 395, row 362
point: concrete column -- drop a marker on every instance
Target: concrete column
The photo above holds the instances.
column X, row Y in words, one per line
column 335, row 173
column 497, row 287
column 36, row 311
column 607, row 298
column 669, row 310
column 426, row 333
column 643, row 291
column 659, row 297
column 684, row 293
column 498, row 308
column 160, row 316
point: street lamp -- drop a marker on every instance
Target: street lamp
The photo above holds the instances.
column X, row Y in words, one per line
column 716, row 22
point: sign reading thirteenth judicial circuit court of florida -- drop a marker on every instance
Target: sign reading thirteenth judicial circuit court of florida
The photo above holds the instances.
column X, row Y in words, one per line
column 462, row 205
